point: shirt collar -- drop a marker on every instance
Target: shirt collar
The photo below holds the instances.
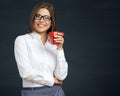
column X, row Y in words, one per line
column 36, row 35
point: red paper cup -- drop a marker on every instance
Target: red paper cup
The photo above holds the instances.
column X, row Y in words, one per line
column 52, row 35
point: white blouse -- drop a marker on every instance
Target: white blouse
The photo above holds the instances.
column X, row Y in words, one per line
column 38, row 63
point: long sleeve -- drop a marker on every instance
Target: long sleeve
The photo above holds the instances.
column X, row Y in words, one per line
column 25, row 68
column 61, row 70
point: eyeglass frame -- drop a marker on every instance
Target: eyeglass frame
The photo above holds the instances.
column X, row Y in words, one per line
column 42, row 17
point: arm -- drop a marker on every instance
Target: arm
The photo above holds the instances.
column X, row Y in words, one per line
column 24, row 66
column 61, row 70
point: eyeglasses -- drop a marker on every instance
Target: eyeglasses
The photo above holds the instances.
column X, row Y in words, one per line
column 45, row 17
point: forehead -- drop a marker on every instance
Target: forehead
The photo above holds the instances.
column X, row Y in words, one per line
column 43, row 11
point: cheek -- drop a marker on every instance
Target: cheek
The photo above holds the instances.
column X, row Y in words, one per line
column 35, row 22
column 49, row 24
column 34, row 25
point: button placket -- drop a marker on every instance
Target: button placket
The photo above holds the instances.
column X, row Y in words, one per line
column 45, row 59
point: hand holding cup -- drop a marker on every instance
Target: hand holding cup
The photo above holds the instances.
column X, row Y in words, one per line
column 57, row 39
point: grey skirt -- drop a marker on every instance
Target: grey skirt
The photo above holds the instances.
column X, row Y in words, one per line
column 55, row 90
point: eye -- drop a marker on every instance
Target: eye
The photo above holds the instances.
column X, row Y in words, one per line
column 37, row 15
column 47, row 17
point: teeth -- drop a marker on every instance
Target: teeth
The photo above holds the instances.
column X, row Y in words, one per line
column 40, row 25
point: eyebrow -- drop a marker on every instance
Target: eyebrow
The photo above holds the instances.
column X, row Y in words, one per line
column 42, row 15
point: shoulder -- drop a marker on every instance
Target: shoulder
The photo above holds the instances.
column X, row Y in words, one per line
column 20, row 42
column 19, row 38
column 23, row 37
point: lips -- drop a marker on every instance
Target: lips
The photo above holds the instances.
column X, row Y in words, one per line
column 40, row 25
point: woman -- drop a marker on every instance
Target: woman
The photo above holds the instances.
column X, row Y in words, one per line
column 42, row 66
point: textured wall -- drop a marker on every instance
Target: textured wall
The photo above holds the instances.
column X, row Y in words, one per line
column 92, row 44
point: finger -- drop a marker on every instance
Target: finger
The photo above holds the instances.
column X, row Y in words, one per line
column 58, row 39
column 61, row 34
column 61, row 83
column 58, row 36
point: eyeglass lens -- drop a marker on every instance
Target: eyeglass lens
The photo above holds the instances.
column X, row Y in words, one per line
column 45, row 17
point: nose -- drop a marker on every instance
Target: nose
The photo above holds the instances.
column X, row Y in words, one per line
column 41, row 20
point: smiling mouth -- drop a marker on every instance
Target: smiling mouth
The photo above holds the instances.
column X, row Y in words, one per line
column 40, row 25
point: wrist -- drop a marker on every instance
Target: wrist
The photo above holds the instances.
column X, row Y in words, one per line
column 60, row 48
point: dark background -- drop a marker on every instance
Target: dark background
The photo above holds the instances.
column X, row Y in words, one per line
column 92, row 44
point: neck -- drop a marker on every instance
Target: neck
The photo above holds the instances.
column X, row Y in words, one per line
column 43, row 37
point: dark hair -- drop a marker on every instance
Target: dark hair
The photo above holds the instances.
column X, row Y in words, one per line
column 47, row 6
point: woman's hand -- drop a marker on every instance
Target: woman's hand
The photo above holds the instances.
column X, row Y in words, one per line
column 56, row 81
column 59, row 38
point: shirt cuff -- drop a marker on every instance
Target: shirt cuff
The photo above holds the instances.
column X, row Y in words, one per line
column 49, row 80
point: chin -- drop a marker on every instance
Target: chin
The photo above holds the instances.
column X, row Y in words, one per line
column 41, row 31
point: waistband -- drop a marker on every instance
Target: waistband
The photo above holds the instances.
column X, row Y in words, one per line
column 55, row 90
column 41, row 88
column 34, row 88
